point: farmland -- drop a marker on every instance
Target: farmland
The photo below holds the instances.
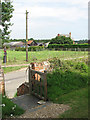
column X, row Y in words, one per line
column 19, row 57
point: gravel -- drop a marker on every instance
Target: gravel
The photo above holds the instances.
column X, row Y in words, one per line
column 50, row 111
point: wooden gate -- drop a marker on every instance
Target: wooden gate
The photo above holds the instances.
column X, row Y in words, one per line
column 38, row 84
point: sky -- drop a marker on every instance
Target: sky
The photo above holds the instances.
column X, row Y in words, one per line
column 47, row 18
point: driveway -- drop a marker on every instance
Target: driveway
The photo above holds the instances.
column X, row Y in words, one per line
column 13, row 80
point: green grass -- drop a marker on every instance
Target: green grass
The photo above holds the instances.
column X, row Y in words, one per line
column 19, row 57
column 78, row 101
column 10, row 69
column 67, row 84
column 10, row 109
column 67, row 77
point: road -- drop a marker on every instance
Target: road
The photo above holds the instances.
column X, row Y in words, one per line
column 13, row 80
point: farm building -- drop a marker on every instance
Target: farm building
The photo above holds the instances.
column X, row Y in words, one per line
column 13, row 45
column 32, row 43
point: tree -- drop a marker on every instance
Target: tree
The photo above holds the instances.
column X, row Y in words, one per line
column 61, row 40
column 7, row 10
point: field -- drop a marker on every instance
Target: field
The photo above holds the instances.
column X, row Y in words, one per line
column 19, row 57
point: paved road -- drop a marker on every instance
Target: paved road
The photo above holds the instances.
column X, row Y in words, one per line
column 13, row 80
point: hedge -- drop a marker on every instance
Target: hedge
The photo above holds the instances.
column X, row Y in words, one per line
column 68, row 46
column 31, row 48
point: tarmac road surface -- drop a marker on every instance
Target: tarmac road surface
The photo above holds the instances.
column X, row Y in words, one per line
column 13, row 80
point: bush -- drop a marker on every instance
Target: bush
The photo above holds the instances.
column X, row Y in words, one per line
column 82, row 66
column 66, row 77
column 58, row 46
column 31, row 48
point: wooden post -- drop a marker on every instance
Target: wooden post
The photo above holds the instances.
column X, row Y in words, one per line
column 2, row 82
column 45, row 83
column 26, row 36
column 30, row 84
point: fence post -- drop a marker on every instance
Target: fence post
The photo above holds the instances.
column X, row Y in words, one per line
column 29, row 76
column 2, row 82
column 45, row 78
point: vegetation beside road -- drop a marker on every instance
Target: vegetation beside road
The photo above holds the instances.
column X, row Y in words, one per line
column 68, row 84
column 9, row 109
column 10, row 69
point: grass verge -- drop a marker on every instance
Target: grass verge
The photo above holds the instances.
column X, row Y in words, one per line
column 10, row 69
column 9, row 109
column 78, row 101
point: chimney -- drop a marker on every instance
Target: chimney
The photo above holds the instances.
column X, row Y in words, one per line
column 58, row 35
column 70, row 34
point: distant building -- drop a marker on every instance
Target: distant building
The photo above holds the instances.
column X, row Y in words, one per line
column 14, row 44
column 32, row 43
column 66, row 35
column 46, row 44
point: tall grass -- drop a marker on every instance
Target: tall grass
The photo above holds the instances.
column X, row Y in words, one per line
column 66, row 77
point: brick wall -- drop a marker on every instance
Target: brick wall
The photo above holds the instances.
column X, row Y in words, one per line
column 40, row 66
column 23, row 89
column 43, row 66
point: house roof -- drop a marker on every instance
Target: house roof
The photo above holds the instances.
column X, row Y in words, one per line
column 19, row 43
column 29, row 42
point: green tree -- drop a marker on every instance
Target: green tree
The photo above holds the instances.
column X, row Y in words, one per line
column 7, row 10
column 61, row 40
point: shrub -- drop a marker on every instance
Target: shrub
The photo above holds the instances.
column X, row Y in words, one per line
column 31, row 48
column 77, row 46
column 66, row 77
column 81, row 66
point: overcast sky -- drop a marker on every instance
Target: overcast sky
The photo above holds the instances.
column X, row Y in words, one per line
column 47, row 18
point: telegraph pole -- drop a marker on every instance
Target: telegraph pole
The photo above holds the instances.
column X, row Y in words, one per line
column 26, row 36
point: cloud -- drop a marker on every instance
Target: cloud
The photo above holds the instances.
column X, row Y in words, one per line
column 44, row 15
column 81, row 3
column 66, row 14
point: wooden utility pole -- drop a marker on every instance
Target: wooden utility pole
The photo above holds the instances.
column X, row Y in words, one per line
column 26, row 36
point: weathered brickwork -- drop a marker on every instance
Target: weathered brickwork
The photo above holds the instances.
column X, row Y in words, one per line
column 43, row 66
column 23, row 89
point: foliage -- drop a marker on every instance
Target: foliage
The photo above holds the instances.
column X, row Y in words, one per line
column 9, row 108
column 7, row 10
column 38, row 41
column 10, row 69
column 31, row 48
column 66, row 77
column 57, row 46
column 61, row 40
column 82, row 41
